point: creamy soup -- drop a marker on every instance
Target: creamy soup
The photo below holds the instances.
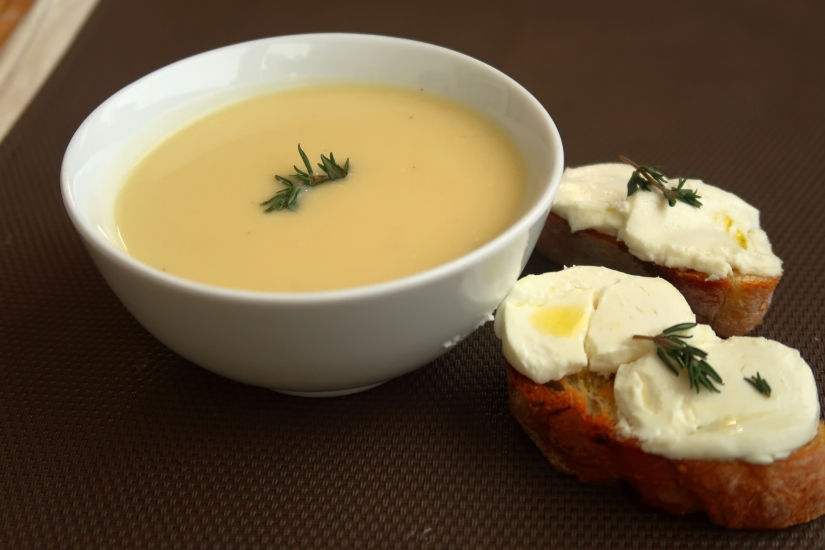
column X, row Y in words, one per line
column 430, row 180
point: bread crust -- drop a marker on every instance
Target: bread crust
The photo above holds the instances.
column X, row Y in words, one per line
column 573, row 423
column 732, row 306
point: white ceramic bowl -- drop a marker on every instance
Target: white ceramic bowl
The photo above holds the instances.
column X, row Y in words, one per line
column 318, row 343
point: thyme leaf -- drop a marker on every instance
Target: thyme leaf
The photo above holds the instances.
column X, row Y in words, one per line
column 678, row 355
column 760, row 384
column 646, row 176
column 288, row 196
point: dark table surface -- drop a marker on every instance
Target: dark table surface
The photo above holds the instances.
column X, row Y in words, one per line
column 108, row 439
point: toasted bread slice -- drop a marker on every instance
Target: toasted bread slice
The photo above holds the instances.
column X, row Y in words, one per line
column 732, row 306
column 573, row 423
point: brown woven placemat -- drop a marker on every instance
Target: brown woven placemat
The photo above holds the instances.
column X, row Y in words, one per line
column 108, row 439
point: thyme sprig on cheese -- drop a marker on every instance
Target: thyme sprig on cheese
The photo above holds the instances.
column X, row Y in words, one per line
column 760, row 384
column 287, row 197
column 645, row 176
column 677, row 354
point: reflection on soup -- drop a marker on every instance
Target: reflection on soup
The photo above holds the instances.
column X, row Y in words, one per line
column 430, row 180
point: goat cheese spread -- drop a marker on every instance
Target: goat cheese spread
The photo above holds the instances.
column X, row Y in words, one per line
column 721, row 237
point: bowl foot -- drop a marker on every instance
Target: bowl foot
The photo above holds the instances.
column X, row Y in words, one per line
column 335, row 393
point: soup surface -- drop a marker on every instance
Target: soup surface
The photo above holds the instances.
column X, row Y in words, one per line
column 429, row 181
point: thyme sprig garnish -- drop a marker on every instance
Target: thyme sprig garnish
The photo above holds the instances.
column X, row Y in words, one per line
column 760, row 384
column 645, row 176
column 677, row 354
column 286, row 197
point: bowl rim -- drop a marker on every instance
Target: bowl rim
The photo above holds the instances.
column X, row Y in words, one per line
column 540, row 207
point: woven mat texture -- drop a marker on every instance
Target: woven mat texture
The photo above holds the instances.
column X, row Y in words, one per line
column 110, row 440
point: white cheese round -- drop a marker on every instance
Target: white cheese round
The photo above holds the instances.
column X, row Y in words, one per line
column 673, row 420
column 719, row 238
column 634, row 305
column 594, row 197
column 556, row 324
